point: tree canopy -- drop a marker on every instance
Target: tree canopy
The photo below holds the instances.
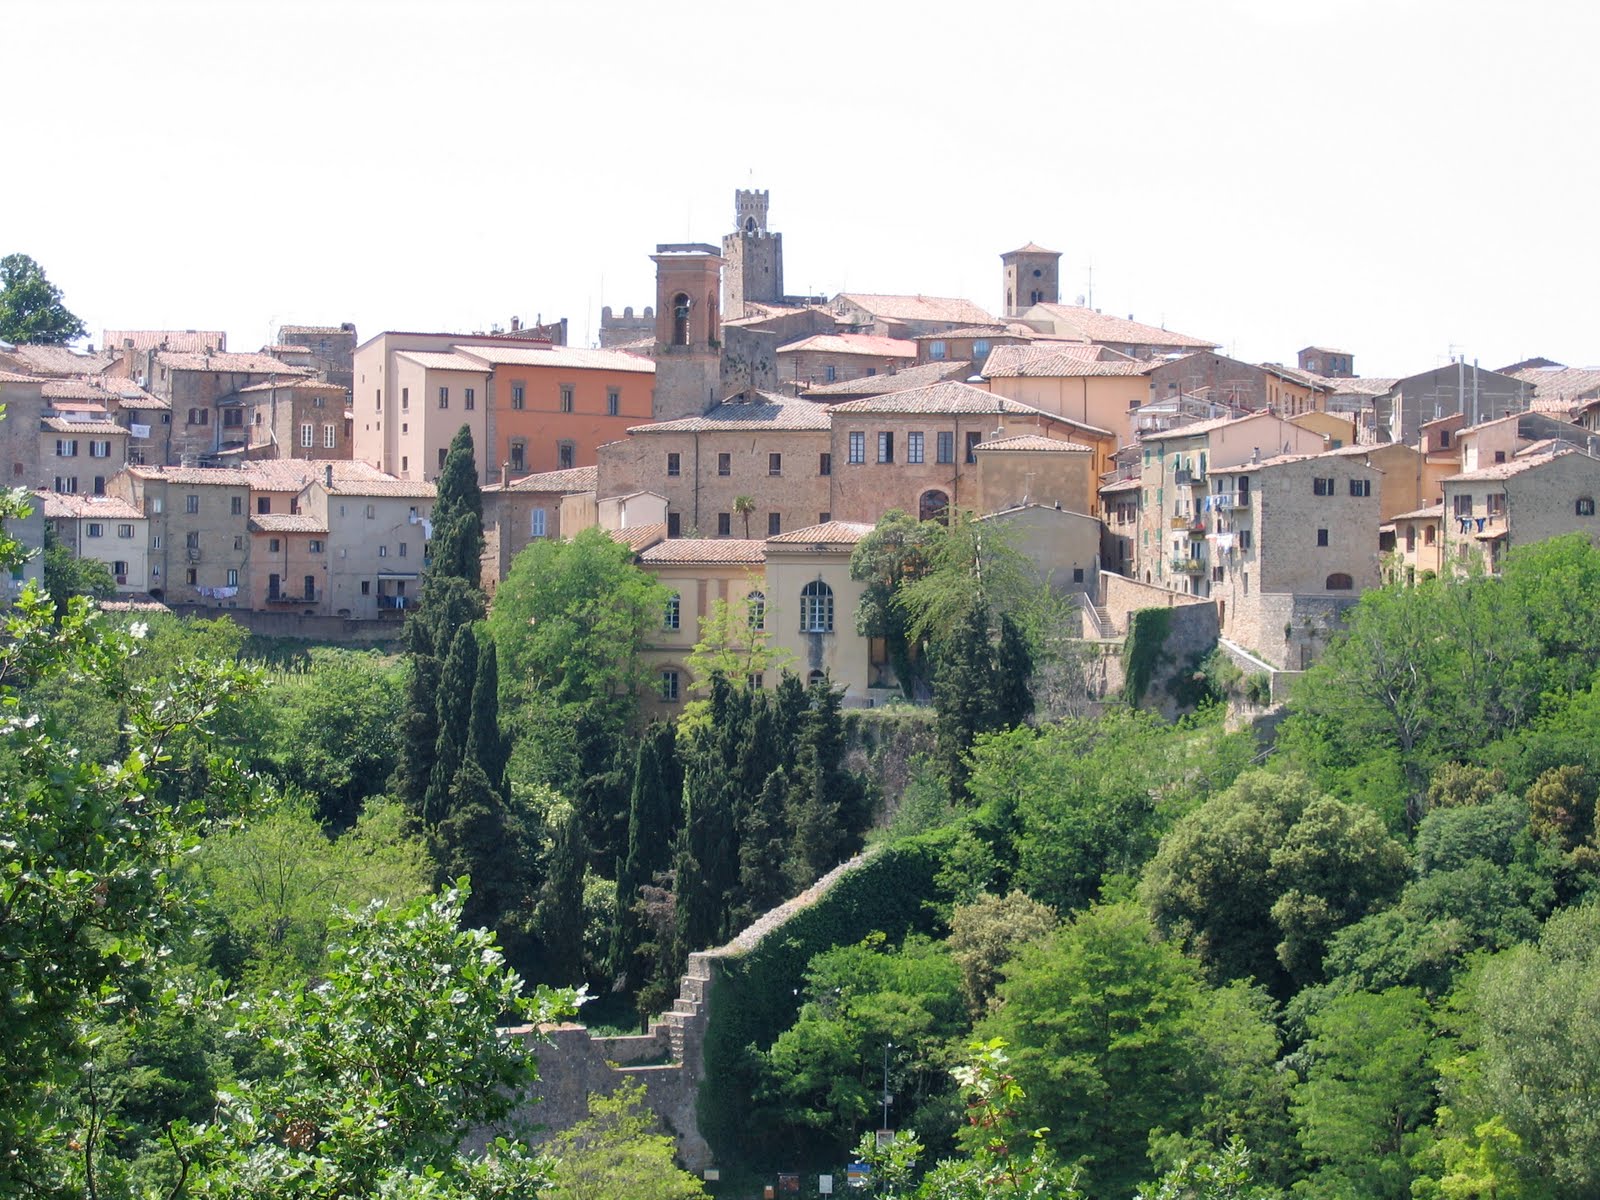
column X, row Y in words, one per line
column 31, row 310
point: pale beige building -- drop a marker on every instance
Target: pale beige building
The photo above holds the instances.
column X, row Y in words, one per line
column 530, row 509
column 378, row 532
column 814, row 603
column 106, row 529
column 1090, row 384
column 1029, row 468
column 1417, row 550
column 81, row 452
column 1063, row 546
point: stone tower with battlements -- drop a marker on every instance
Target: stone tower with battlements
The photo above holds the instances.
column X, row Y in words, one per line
column 1032, row 276
column 688, row 349
column 754, row 256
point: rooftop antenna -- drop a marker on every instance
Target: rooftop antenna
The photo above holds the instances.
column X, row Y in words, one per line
column 1091, row 285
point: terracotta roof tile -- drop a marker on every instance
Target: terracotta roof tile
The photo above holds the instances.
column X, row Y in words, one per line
column 705, row 550
column 55, row 360
column 193, row 476
column 1033, row 442
column 320, row 330
column 18, row 377
column 853, row 343
column 769, row 412
column 639, row 536
column 236, row 364
column 1058, row 362
column 570, row 358
column 879, row 385
column 829, row 533
column 1507, row 470
column 192, row 341
column 67, row 425
column 1121, row 485
column 954, row 399
column 286, row 523
column 1419, row 514
column 1098, row 327
column 917, row 308
column 57, row 505
column 1561, row 383
column 445, row 360
column 1030, row 248
column 299, row 385
column 567, row 482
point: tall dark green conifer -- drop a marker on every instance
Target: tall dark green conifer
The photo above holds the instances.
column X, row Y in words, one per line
column 454, row 709
column 963, row 693
column 448, row 604
column 1013, row 669
column 826, row 802
column 654, row 814
column 763, row 844
column 477, row 838
column 457, row 545
column 708, row 866
column 559, row 915
column 486, row 743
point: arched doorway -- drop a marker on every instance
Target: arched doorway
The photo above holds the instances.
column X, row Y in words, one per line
column 933, row 506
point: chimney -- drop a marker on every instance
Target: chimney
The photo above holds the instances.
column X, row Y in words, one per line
column 505, row 473
column 516, row 324
column 327, row 475
column 1255, row 454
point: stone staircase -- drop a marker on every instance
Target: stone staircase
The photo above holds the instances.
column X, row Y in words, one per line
column 684, row 1026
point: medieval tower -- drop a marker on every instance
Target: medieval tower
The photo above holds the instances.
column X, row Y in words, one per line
column 688, row 349
column 754, row 256
column 1032, row 276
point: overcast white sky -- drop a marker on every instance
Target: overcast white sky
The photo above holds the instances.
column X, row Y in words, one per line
column 1399, row 178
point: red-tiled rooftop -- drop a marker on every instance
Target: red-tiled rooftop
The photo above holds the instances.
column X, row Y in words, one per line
column 568, row 482
column 705, row 550
column 767, row 412
column 853, row 343
column 829, row 533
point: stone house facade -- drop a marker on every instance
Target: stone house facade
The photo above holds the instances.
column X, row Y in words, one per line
column 1497, row 507
column 378, row 531
column 106, row 529
column 1418, row 547
column 1284, row 545
column 202, row 392
column 79, row 454
column 1029, row 469
column 289, row 563
column 526, row 510
column 302, row 418
column 198, row 517
column 833, row 357
column 329, row 350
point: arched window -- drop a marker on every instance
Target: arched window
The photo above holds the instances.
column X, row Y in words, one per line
column 680, row 319
column 815, row 678
column 1339, row 582
column 756, row 605
column 933, row 506
column 816, row 608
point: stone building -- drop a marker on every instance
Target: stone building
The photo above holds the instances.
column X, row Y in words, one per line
column 1526, row 499
column 754, row 255
column 971, row 344
column 23, row 397
column 105, row 529
column 1242, row 385
column 526, row 510
column 1030, row 469
column 378, row 530
column 330, row 350
column 199, row 536
column 1398, row 413
column 1089, row 384
column 202, row 392
column 1030, row 275
column 921, row 375
column 688, row 329
column 298, row 418
column 905, row 316
column 772, row 449
column 627, row 329
column 1418, row 544
column 1328, row 362
column 80, row 451
column 833, row 357
column 1291, row 542
column 917, row 449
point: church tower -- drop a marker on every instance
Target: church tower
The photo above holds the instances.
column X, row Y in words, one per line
column 688, row 330
column 1032, row 276
column 754, row 256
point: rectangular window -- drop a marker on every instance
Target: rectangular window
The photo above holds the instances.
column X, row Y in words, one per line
column 1321, row 486
column 536, row 523
column 66, row 447
column 99, row 485
column 124, row 531
column 444, row 396
column 273, row 545
column 830, row 373
column 1361, row 487
column 824, row 517
column 238, row 541
column 774, row 464
column 724, row 464
column 519, row 396
column 519, row 456
column 825, row 464
column 566, row 455
column 1322, row 537
column 191, row 576
column 233, row 418
column 669, row 619
column 469, row 399
column 191, row 503
column 444, row 453
column 308, row 435
column 1585, row 506
column 1462, row 505
column 885, row 447
column 774, row 524
column 674, row 524
column 724, row 524
column 566, row 397
column 669, row 685
column 613, row 401
column 1497, row 504
column 947, row 447
column 315, row 546
column 674, row 462
column 936, row 350
column 330, row 437
column 263, row 504
column 236, row 506
column 191, row 540
column 233, row 577
column 383, row 552
column 404, row 549
column 914, row 446
column 1246, row 539
column 858, row 447
column 405, row 398
column 99, row 449
column 120, row 570
column 973, row 439
column 96, row 529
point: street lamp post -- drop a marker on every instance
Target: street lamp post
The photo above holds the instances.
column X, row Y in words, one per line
column 887, row 1046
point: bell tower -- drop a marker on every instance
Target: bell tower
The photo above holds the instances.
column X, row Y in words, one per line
column 1032, row 276
column 754, row 256
column 688, row 329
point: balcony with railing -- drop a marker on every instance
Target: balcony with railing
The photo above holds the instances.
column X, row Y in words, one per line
column 1187, row 566
column 280, row 597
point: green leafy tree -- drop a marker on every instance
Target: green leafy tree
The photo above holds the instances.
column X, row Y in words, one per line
column 457, row 545
column 1225, row 1174
column 1368, row 1091
column 744, row 506
column 617, row 1153
column 1258, row 878
column 735, row 641
column 898, row 551
column 31, row 310
column 1098, row 1018
column 370, row 1081
column 66, row 575
column 559, row 917
column 987, row 934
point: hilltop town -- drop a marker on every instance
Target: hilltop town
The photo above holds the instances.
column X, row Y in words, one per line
column 742, row 440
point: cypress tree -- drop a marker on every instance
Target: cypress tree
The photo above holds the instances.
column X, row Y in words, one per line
column 477, row 838
column 763, row 845
column 447, row 605
column 558, row 917
column 963, row 694
column 458, row 514
column 486, row 744
column 1013, row 698
column 825, row 800
column 653, row 811
column 455, row 723
column 708, row 867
